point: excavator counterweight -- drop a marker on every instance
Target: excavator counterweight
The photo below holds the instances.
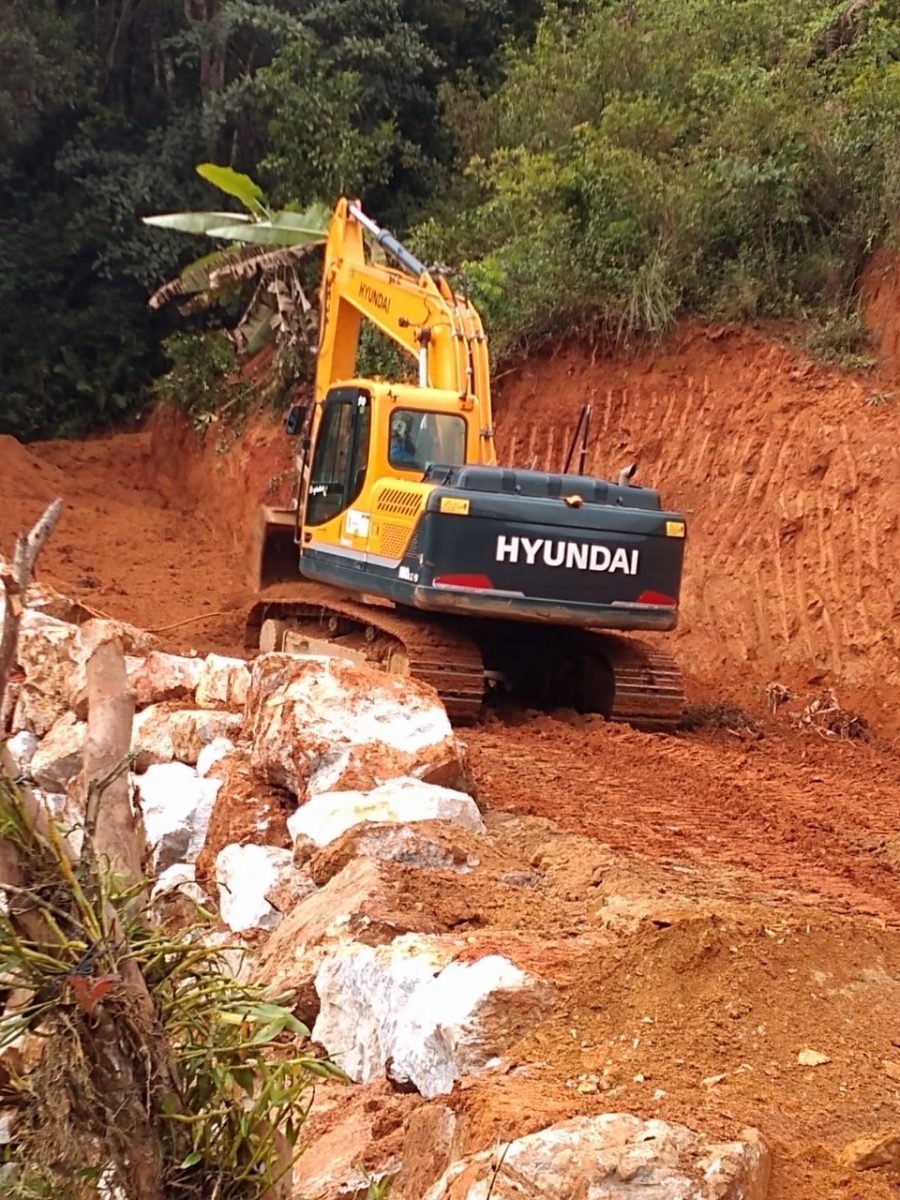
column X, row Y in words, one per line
column 409, row 545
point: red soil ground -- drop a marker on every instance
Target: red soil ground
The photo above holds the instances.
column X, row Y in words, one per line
column 789, row 474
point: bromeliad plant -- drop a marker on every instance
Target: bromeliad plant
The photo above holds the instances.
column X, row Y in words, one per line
column 132, row 1061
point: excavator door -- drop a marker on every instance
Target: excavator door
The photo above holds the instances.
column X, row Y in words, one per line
column 277, row 534
column 336, row 519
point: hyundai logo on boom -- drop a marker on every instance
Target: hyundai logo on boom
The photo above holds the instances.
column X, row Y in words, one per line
column 579, row 556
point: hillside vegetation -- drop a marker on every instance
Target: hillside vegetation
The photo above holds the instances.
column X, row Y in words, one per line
column 592, row 166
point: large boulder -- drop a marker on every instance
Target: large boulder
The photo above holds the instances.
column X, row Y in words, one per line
column 160, row 677
column 323, row 818
column 60, row 755
column 53, row 655
column 223, row 683
column 162, row 734
column 250, row 879
column 614, row 1156
column 177, row 806
column 408, row 1004
column 353, row 1138
column 365, row 901
column 46, row 654
column 248, row 808
column 327, row 724
column 423, row 845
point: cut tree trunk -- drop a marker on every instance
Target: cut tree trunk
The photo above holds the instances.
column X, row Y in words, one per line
column 116, row 832
column 15, row 584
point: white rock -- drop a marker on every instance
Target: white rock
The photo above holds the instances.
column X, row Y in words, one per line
column 362, row 991
column 366, row 900
column 53, row 655
column 60, row 755
column 324, row 817
column 173, row 877
column 462, row 1019
column 223, row 683
column 614, row 1156
column 177, row 806
column 436, row 1020
column 7, row 1124
column 160, row 677
column 217, row 749
column 812, row 1058
column 45, row 651
column 21, row 747
column 162, row 735
column 326, row 724
column 246, row 875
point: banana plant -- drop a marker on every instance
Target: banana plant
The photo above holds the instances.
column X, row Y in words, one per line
column 261, row 256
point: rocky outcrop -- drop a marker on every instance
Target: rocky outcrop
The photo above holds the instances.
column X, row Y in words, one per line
column 408, row 1008
column 326, row 724
column 613, row 1156
column 323, row 818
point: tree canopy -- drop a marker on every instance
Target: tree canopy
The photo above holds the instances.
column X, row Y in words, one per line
column 602, row 164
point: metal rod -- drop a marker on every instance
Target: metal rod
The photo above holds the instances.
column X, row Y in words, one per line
column 389, row 244
column 584, row 441
column 584, row 417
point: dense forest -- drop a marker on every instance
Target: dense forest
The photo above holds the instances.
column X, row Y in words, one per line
column 592, row 165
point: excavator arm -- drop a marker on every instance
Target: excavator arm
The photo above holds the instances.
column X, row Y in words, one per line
column 418, row 311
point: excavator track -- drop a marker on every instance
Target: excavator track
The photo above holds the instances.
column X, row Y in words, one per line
column 646, row 685
column 620, row 677
column 434, row 651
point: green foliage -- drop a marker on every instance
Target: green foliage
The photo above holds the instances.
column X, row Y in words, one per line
column 104, row 109
column 840, row 337
column 587, row 164
column 203, row 379
column 221, row 1073
column 642, row 161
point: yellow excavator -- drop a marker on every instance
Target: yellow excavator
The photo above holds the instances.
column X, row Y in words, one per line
column 409, row 546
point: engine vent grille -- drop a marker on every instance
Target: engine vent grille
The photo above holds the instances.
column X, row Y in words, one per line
column 395, row 500
column 394, row 539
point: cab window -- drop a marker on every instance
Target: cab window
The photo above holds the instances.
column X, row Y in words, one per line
column 338, row 469
column 419, row 438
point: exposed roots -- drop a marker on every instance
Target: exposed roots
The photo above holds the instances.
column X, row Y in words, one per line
column 825, row 716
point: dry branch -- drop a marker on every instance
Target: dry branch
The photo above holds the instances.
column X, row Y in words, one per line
column 15, row 584
column 115, row 834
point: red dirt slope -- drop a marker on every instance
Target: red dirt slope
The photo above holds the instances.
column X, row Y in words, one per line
column 789, row 475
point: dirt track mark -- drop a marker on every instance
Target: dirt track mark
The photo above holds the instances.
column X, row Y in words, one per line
column 803, row 813
column 790, row 482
